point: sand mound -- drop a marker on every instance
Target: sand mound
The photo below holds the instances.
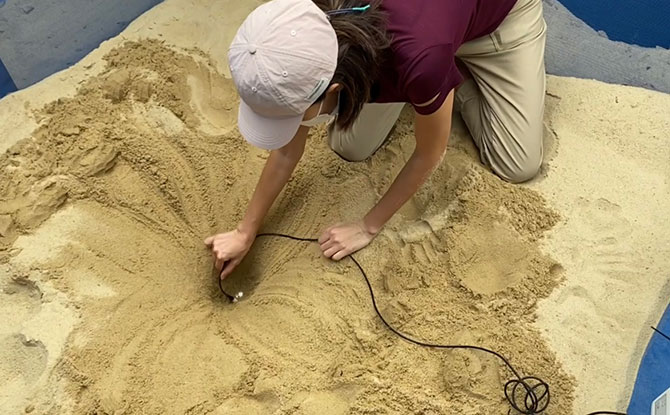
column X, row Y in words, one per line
column 111, row 197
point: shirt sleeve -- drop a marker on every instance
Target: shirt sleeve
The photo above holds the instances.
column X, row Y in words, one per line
column 431, row 73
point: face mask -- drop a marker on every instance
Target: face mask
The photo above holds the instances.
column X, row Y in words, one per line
column 322, row 118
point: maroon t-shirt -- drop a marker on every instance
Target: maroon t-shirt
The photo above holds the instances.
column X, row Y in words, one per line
column 425, row 35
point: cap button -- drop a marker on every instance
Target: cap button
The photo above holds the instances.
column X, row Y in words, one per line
column 252, row 49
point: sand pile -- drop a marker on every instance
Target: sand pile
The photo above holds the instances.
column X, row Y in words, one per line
column 107, row 203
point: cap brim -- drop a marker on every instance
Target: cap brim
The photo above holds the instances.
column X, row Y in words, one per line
column 266, row 133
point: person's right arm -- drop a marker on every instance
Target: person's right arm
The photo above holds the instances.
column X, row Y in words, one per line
column 230, row 248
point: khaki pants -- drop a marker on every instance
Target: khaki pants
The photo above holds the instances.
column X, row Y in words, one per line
column 502, row 105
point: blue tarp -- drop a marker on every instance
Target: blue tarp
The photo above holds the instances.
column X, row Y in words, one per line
column 653, row 376
column 639, row 22
column 39, row 38
column 6, row 83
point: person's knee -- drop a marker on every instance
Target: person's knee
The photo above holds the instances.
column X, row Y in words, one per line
column 342, row 144
column 346, row 152
column 350, row 155
column 520, row 172
column 523, row 175
column 516, row 158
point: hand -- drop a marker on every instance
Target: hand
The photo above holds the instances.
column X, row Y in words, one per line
column 342, row 240
column 229, row 249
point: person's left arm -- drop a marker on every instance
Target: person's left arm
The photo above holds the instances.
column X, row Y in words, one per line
column 432, row 134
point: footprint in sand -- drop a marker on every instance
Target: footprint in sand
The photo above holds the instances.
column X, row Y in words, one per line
column 20, row 299
column 213, row 99
column 420, row 242
column 22, row 360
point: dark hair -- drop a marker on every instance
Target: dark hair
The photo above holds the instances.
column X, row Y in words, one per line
column 363, row 42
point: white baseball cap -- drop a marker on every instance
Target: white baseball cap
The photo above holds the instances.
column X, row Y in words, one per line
column 282, row 59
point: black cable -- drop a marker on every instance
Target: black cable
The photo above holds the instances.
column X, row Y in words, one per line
column 606, row 413
column 230, row 298
column 532, row 391
column 660, row 332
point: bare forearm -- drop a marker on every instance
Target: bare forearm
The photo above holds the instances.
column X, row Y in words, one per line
column 276, row 173
column 409, row 180
column 432, row 135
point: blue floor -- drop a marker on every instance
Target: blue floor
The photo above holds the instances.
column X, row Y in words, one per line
column 653, row 377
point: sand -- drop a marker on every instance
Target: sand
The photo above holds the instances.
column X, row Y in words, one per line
column 611, row 183
column 114, row 171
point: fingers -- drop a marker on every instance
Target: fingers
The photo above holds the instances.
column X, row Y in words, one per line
column 219, row 263
column 219, row 251
column 223, row 268
column 328, row 233
column 228, row 268
column 227, row 250
column 341, row 254
column 325, row 236
column 328, row 253
column 327, row 244
column 221, row 256
column 330, row 243
column 337, row 252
